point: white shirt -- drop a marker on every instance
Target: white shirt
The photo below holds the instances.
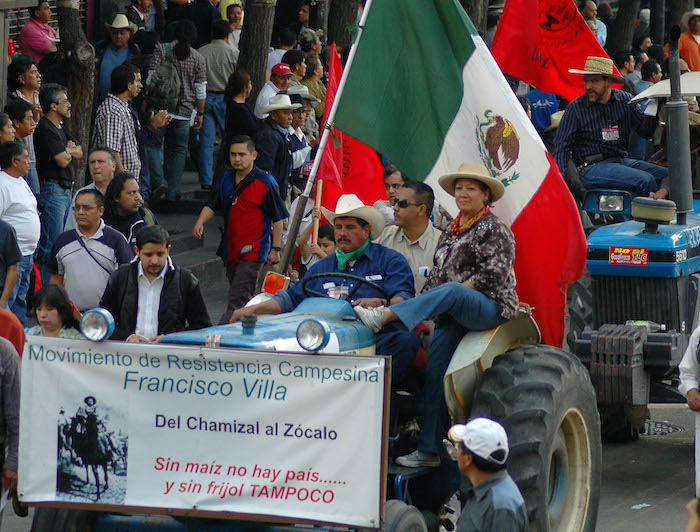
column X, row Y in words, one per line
column 690, row 367
column 18, row 208
column 267, row 92
column 149, row 303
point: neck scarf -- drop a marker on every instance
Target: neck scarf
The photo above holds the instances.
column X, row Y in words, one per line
column 458, row 228
column 344, row 258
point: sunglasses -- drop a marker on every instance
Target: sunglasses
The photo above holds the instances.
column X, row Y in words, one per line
column 402, row 203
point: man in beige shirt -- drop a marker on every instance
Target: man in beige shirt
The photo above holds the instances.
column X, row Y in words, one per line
column 413, row 235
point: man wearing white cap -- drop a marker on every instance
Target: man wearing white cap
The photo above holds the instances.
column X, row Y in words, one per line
column 274, row 147
column 356, row 225
column 494, row 502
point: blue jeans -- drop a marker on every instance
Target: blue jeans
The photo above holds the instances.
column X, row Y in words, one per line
column 18, row 298
column 214, row 118
column 468, row 310
column 167, row 149
column 54, row 203
column 628, row 174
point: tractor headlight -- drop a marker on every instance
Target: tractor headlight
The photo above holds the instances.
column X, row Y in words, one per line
column 611, row 203
column 313, row 335
column 97, row 324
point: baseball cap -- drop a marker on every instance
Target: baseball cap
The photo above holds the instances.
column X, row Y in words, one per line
column 483, row 437
column 281, row 69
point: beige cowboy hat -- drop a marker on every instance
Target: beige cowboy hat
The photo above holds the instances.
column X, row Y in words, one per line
column 693, row 119
column 688, row 15
column 598, row 66
column 351, row 205
column 120, row 22
column 279, row 102
column 555, row 120
column 476, row 172
column 303, row 91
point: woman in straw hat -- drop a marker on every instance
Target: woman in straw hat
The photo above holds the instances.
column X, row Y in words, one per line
column 471, row 287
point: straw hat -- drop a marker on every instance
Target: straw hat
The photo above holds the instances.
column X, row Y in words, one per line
column 555, row 119
column 688, row 15
column 120, row 22
column 476, row 172
column 279, row 102
column 351, row 205
column 693, row 118
column 598, row 66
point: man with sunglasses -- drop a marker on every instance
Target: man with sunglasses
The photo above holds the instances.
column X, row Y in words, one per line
column 413, row 235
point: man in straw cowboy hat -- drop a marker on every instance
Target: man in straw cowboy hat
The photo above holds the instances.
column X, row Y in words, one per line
column 274, row 152
column 356, row 225
column 115, row 51
column 688, row 46
column 595, row 133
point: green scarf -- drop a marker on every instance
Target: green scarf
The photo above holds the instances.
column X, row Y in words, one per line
column 344, row 258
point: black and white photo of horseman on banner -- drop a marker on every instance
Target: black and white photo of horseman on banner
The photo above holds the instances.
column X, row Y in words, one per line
column 92, row 449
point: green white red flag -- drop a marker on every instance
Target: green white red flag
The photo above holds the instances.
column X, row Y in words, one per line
column 425, row 91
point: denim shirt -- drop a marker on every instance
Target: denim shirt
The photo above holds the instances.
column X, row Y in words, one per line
column 378, row 264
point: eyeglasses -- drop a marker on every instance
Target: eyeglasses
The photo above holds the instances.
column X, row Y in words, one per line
column 403, row 203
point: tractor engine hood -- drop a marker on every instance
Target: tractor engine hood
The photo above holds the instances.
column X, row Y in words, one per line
column 624, row 249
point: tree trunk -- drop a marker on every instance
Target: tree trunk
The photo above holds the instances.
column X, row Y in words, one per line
column 319, row 17
column 342, row 13
column 623, row 30
column 677, row 8
column 255, row 41
column 80, row 63
column 477, row 11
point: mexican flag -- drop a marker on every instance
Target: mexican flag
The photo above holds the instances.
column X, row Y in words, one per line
column 424, row 91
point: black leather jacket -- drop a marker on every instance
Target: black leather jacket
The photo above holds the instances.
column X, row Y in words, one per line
column 181, row 303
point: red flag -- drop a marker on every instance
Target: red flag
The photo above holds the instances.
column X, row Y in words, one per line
column 539, row 41
column 352, row 168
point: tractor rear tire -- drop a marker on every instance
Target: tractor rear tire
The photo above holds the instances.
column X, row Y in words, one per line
column 579, row 309
column 400, row 517
column 544, row 398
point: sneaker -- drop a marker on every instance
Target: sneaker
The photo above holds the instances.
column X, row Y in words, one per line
column 371, row 317
column 158, row 192
column 419, row 459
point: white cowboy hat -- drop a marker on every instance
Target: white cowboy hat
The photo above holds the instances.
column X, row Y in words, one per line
column 351, row 205
column 598, row 66
column 279, row 102
column 303, row 91
column 476, row 172
column 554, row 120
column 688, row 15
column 120, row 22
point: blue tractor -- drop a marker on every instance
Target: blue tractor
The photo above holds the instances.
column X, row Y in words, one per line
column 631, row 316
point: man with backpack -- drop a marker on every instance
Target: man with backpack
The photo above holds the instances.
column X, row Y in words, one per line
column 178, row 85
column 152, row 296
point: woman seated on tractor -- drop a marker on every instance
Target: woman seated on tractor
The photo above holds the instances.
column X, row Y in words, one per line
column 471, row 287
column 55, row 314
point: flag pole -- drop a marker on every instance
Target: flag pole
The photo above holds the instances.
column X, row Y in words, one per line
column 301, row 206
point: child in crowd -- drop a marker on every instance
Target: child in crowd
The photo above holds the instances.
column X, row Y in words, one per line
column 325, row 244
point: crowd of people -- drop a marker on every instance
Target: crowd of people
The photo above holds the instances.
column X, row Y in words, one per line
column 167, row 82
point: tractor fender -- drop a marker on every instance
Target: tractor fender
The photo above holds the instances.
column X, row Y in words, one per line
column 475, row 354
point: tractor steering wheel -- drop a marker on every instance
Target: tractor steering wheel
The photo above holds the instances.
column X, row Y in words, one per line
column 346, row 276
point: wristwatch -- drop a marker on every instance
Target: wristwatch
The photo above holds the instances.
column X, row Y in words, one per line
column 276, row 248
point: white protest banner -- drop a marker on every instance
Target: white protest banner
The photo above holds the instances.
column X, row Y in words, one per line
column 270, row 435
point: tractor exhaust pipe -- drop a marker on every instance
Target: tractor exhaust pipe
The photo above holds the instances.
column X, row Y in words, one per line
column 678, row 137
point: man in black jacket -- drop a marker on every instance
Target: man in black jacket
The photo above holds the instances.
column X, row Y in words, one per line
column 274, row 152
column 151, row 296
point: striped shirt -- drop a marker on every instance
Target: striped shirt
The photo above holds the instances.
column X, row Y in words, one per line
column 84, row 279
column 115, row 127
column 585, row 127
